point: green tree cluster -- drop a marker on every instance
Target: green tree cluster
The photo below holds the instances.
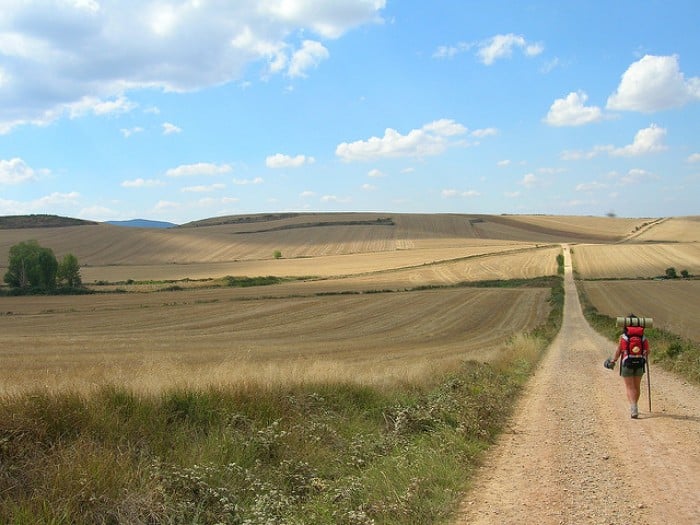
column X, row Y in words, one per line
column 32, row 267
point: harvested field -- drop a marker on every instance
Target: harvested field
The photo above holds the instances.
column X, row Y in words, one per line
column 208, row 337
column 307, row 235
column 674, row 229
column 630, row 261
column 674, row 304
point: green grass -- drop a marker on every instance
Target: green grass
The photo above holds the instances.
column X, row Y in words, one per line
column 669, row 350
column 336, row 453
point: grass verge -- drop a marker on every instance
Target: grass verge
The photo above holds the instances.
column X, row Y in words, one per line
column 311, row 454
column 672, row 352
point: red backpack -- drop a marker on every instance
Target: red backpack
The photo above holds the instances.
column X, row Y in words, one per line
column 633, row 345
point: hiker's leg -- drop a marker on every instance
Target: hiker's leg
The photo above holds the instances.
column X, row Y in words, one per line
column 637, row 387
column 632, row 388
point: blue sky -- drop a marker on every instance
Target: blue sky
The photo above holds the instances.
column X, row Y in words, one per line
column 183, row 110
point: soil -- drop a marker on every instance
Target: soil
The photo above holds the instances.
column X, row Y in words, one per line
column 573, row 455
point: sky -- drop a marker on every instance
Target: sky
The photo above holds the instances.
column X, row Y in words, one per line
column 185, row 110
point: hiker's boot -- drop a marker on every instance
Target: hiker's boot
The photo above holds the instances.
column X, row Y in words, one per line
column 634, row 411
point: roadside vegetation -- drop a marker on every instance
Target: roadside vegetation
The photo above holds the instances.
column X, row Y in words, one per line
column 322, row 453
column 674, row 353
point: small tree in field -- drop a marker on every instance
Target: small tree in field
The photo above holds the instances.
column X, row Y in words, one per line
column 671, row 273
column 69, row 271
column 31, row 266
column 277, row 254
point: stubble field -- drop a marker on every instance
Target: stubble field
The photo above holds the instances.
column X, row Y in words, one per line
column 348, row 308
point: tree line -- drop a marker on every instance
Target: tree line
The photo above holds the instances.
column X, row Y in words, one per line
column 35, row 269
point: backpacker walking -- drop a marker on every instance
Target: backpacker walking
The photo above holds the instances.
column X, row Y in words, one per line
column 633, row 351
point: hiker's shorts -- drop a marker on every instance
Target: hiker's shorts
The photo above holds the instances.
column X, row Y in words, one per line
column 631, row 372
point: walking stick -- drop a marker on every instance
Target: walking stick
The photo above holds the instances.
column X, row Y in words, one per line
column 648, row 385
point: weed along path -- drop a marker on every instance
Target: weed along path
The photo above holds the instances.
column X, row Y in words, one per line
column 572, row 454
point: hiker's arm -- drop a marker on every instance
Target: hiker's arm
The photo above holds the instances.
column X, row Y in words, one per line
column 618, row 351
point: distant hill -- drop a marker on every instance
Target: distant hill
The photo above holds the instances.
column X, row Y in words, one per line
column 11, row 222
column 142, row 223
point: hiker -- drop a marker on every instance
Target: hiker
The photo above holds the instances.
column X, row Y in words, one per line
column 633, row 349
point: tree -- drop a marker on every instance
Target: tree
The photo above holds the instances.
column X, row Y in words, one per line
column 685, row 274
column 671, row 273
column 31, row 266
column 69, row 271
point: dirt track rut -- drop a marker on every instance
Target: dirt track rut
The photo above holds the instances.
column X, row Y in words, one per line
column 572, row 454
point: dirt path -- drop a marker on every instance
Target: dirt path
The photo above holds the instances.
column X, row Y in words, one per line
column 574, row 456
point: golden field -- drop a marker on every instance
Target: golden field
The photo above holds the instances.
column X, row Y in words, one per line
column 348, row 310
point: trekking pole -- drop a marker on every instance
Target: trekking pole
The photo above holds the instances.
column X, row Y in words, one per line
column 648, row 385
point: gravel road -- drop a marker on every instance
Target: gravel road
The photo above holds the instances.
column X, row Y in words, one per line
column 573, row 455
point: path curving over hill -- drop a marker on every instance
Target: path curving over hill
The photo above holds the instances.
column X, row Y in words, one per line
column 572, row 453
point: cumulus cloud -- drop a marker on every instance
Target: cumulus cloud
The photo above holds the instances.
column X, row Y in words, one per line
column 654, row 83
column 695, row 157
column 530, row 180
column 16, row 171
column 451, row 51
column 501, row 46
column 572, row 111
column 66, row 58
column 432, row 139
column 647, row 140
column 309, row 56
column 198, row 169
column 169, row 128
column 280, row 160
column 142, row 183
column 452, row 193
column 203, row 189
column 591, row 186
column 637, row 175
column 245, row 182
column 128, row 132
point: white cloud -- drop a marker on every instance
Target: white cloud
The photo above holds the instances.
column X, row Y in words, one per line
column 501, row 46
column 572, row 111
column 169, row 129
column 451, row 51
column 368, row 187
column 530, row 181
column 244, row 182
column 695, row 157
column 203, row 189
column 485, row 132
column 280, row 160
column 375, row 173
column 335, row 198
column 16, row 171
column 142, row 183
column 654, row 83
column 431, row 139
column 95, row 52
column 591, row 186
column 503, row 163
column 307, row 194
column 451, row 193
column 647, row 140
column 309, row 56
column 636, row 175
column 198, row 169
column 128, row 132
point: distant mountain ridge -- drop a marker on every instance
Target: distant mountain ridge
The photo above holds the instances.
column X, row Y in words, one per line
column 142, row 223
